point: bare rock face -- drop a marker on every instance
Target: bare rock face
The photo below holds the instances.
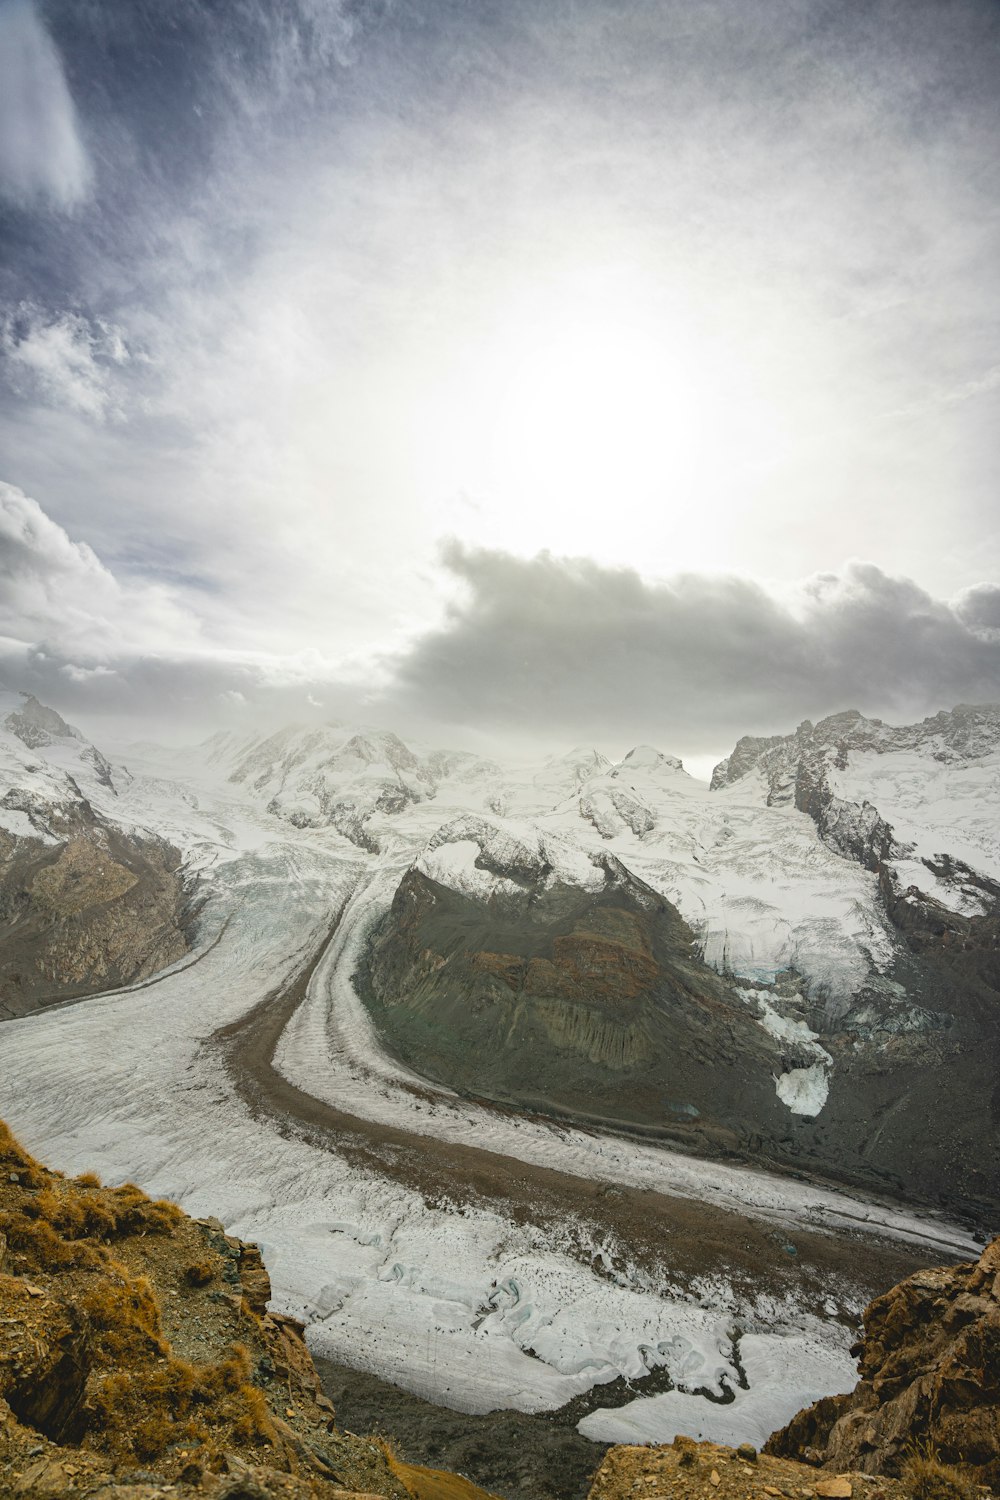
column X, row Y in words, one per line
column 87, row 900
column 99, row 910
column 930, row 1376
column 571, row 1000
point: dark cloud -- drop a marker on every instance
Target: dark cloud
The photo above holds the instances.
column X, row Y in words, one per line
column 979, row 607
column 565, row 647
column 536, row 652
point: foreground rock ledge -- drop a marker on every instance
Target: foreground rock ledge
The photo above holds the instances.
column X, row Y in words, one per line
column 687, row 1470
column 930, row 1378
column 138, row 1358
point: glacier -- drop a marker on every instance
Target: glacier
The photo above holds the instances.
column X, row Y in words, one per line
column 296, row 844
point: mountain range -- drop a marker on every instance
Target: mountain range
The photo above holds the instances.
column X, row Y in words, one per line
column 332, row 971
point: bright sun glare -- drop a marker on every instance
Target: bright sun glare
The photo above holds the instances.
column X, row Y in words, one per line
column 579, row 426
column 591, row 409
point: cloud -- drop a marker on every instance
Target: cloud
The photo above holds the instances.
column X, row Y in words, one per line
column 176, row 695
column 979, row 607
column 56, row 591
column 553, row 646
column 65, row 360
column 90, row 641
column 333, row 269
column 539, row 650
column 41, row 153
column 335, row 233
column 86, row 674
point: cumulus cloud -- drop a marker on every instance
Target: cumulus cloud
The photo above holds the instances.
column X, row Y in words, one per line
column 555, row 645
column 979, row 606
column 57, row 591
column 93, row 642
column 42, row 155
column 539, row 650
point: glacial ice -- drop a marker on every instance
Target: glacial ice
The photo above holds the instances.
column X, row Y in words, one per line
column 455, row 1302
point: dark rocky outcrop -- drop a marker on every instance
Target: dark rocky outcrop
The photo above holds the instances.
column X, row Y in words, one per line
column 592, row 1003
column 574, row 1002
column 100, row 909
column 930, row 1380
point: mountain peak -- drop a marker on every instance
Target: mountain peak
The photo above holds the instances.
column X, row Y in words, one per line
column 34, row 723
column 648, row 758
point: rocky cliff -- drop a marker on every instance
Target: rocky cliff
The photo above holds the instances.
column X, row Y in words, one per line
column 915, row 805
column 906, row 802
column 522, row 972
column 930, row 1380
column 584, row 1000
column 138, row 1359
column 86, row 903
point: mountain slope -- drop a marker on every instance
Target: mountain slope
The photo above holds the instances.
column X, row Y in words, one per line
column 138, row 1357
column 481, row 1255
column 509, row 971
column 575, row 995
column 85, row 903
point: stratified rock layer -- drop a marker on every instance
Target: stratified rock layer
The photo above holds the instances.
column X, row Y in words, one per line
column 930, row 1379
column 576, row 1001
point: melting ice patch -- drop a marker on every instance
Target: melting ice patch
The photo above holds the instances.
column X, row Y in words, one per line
column 784, row 1372
column 803, row 1089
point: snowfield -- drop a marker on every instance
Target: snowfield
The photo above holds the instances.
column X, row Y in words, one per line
column 936, row 809
column 298, row 855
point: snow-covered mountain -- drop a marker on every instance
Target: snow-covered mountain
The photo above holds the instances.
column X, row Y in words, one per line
column 84, row 901
column 48, row 770
column 408, row 961
column 356, row 781
column 821, row 879
column 916, row 804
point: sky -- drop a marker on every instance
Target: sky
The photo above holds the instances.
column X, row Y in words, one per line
column 500, row 371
